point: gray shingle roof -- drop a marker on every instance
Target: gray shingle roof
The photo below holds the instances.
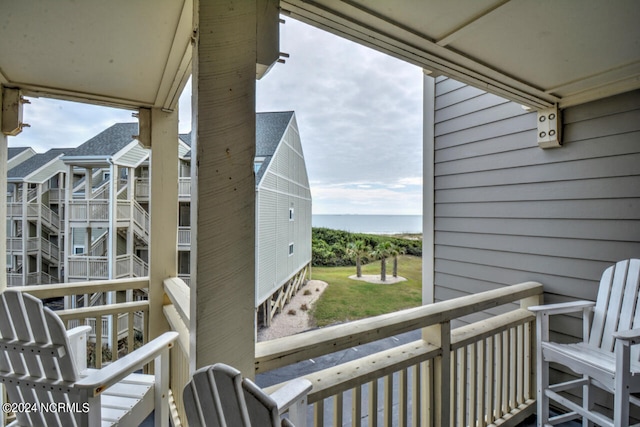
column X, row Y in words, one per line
column 34, row 163
column 270, row 128
column 108, row 142
column 14, row 151
column 186, row 138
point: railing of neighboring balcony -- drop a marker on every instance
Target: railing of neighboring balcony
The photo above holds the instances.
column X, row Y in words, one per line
column 124, row 318
column 479, row 374
column 184, row 187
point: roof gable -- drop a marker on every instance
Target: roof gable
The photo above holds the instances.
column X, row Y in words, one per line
column 32, row 164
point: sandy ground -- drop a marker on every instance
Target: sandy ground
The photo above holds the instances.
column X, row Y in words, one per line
column 285, row 324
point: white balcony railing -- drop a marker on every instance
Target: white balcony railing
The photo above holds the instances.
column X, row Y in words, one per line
column 143, row 189
column 14, row 244
column 184, row 187
column 14, row 279
column 126, row 318
column 89, row 210
column 479, row 374
column 48, row 249
column 129, row 265
column 88, row 267
column 184, row 237
column 40, row 278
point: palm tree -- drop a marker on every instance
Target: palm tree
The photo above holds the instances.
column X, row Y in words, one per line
column 382, row 251
column 357, row 250
column 395, row 252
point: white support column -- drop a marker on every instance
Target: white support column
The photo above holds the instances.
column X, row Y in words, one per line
column 428, row 194
column 223, row 185
column 163, row 245
column 25, row 232
column 112, row 245
column 3, row 206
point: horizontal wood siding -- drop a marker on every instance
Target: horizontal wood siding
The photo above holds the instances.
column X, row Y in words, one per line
column 285, row 185
column 507, row 211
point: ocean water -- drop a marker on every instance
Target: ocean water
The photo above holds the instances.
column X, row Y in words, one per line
column 371, row 224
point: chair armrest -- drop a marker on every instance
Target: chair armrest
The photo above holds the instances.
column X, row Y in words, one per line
column 78, row 345
column 76, row 332
column 290, row 393
column 562, row 308
column 631, row 335
column 98, row 381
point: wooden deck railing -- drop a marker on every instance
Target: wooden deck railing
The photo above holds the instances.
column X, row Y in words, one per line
column 177, row 314
column 110, row 314
column 479, row 374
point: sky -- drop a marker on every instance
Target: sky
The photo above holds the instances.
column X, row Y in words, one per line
column 359, row 113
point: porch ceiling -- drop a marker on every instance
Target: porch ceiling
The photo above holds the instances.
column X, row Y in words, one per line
column 122, row 52
column 533, row 52
column 138, row 53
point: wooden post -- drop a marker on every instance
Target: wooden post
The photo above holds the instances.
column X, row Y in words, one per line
column 163, row 244
column 428, row 194
column 3, row 205
column 223, row 185
column 440, row 335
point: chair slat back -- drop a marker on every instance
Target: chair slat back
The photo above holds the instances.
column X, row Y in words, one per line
column 617, row 304
column 218, row 396
column 41, row 354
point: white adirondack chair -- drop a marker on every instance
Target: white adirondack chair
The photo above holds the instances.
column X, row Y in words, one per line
column 605, row 358
column 218, row 396
column 41, row 363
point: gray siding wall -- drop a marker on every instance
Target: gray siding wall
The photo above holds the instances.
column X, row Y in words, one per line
column 285, row 185
column 507, row 211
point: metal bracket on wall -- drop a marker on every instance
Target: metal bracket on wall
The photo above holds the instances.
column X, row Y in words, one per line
column 12, row 102
column 549, row 128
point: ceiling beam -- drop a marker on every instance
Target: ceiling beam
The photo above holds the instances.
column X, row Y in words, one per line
column 471, row 24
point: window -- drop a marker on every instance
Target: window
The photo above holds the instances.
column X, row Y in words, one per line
column 291, row 214
column 78, row 249
column 290, row 249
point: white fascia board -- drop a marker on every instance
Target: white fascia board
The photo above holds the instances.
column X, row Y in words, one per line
column 61, row 168
column 133, row 144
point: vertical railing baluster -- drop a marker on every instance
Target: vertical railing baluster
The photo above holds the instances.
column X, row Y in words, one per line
column 416, row 394
column 318, row 414
column 338, row 408
column 356, row 406
column 481, row 381
column 490, row 399
column 513, row 346
column 403, row 399
column 388, row 400
column 471, row 384
column 499, row 382
column 373, row 403
column 520, row 372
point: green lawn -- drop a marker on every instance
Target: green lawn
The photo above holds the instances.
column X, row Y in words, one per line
column 346, row 299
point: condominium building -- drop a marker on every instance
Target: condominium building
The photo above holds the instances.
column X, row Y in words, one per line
column 83, row 213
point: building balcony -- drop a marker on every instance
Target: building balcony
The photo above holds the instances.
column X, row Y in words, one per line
column 35, row 212
column 479, row 373
column 97, row 267
column 184, row 189
column 184, row 238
